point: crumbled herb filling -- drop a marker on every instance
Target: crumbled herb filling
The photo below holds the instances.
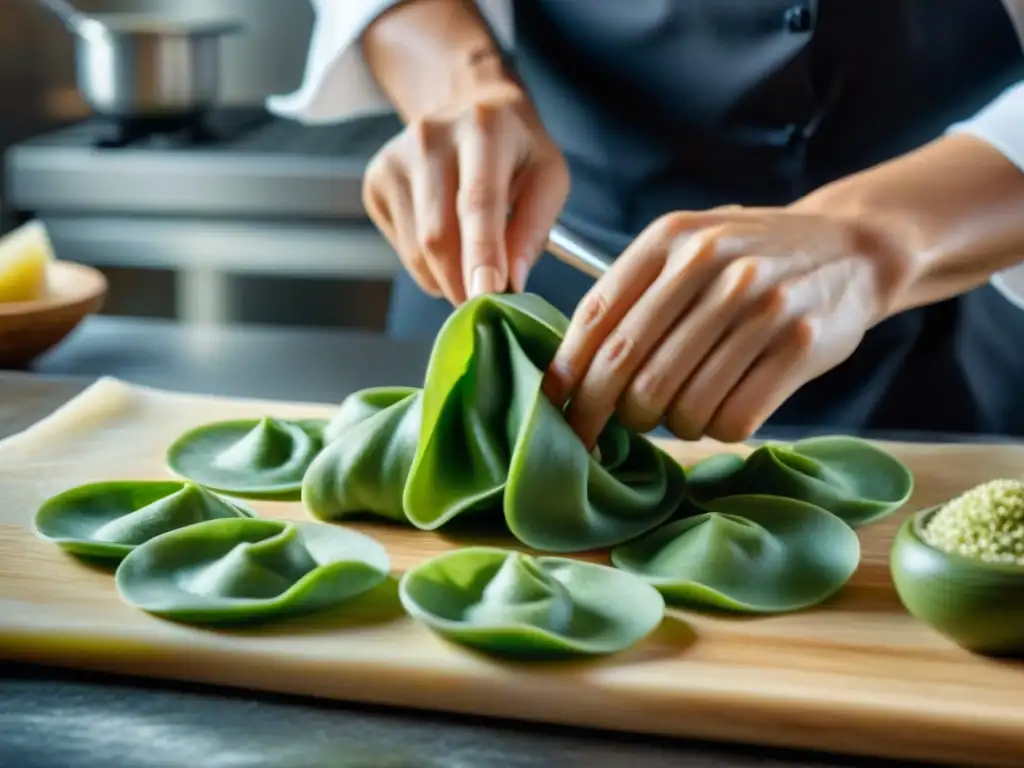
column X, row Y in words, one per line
column 985, row 523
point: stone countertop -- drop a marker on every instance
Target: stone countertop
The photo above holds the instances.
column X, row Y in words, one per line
column 52, row 718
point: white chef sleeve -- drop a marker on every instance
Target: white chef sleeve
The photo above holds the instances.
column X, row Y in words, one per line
column 1001, row 124
column 337, row 84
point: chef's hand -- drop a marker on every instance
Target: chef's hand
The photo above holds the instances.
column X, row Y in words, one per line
column 709, row 321
column 467, row 195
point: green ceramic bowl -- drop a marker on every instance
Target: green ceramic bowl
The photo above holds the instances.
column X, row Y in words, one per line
column 978, row 605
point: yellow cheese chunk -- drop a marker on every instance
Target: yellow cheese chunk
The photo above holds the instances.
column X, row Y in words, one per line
column 25, row 255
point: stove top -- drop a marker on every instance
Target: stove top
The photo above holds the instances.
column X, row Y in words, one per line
column 225, row 131
column 238, row 162
column 189, row 132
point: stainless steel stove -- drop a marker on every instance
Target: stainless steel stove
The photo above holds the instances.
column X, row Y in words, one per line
column 238, row 192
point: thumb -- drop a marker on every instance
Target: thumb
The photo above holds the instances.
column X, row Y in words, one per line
column 541, row 193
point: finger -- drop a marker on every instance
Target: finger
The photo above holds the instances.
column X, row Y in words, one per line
column 375, row 185
column 681, row 351
column 793, row 305
column 541, row 193
column 434, row 187
column 696, row 404
column 771, row 381
column 621, row 355
column 403, row 228
column 692, row 270
column 601, row 309
column 386, row 202
column 376, row 206
column 486, row 165
column 621, row 287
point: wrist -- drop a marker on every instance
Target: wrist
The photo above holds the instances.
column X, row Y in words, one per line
column 434, row 57
column 947, row 216
column 464, row 78
column 882, row 234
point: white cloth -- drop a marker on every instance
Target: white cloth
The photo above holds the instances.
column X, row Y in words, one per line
column 338, row 86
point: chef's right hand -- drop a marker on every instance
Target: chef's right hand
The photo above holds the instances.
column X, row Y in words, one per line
column 468, row 195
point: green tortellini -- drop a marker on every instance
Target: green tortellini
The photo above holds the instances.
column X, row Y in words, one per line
column 247, row 569
column 851, row 478
column 773, row 531
column 482, row 437
column 761, row 554
column 364, row 405
column 254, row 458
column 364, row 467
column 508, row 603
column 108, row 520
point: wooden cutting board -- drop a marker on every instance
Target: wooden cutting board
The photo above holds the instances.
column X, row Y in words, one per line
column 858, row 675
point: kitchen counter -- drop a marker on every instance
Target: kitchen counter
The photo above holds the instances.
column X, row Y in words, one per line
column 54, row 718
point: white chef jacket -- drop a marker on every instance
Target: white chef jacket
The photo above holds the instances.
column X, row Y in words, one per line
column 338, row 86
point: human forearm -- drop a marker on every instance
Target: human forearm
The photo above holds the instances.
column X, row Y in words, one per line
column 467, row 193
column 428, row 55
column 951, row 211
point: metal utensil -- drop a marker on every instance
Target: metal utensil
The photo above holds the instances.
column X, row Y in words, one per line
column 578, row 252
column 135, row 66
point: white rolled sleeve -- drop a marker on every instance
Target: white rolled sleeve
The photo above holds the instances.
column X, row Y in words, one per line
column 1001, row 124
column 337, row 84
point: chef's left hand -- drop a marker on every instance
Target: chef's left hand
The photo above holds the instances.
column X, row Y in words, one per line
column 709, row 321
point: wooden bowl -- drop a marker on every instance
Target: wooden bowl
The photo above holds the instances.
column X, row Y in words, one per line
column 30, row 328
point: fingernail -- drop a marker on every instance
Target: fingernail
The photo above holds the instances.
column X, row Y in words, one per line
column 484, row 280
column 553, row 390
column 588, row 436
column 579, row 423
column 556, row 384
column 521, row 271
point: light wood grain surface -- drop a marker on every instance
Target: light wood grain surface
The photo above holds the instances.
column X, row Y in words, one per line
column 857, row 675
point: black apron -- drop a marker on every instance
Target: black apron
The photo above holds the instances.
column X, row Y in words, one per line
column 663, row 105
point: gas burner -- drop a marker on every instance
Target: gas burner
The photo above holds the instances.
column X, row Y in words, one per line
column 128, row 131
column 178, row 131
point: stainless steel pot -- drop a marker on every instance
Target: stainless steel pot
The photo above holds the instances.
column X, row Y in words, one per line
column 132, row 66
